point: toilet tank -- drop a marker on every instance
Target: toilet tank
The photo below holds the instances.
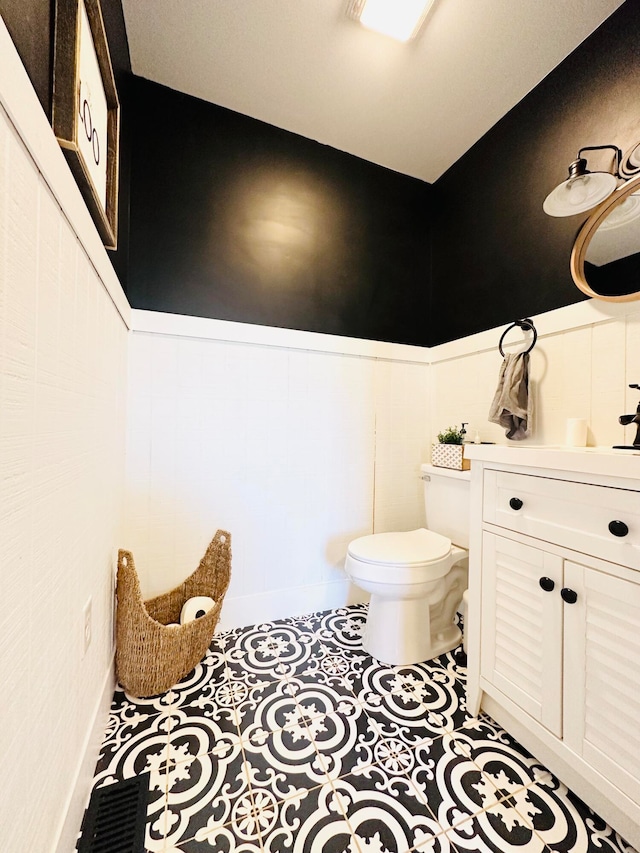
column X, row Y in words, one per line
column 446, row 500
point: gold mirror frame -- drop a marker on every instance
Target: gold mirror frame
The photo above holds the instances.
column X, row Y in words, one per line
column 585, row 235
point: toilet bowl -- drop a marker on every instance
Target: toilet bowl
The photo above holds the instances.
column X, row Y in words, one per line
column 416, row 578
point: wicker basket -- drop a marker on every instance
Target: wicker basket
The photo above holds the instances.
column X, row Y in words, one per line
column 150, row 657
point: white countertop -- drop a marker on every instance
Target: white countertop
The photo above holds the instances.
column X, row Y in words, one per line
column 585, row 460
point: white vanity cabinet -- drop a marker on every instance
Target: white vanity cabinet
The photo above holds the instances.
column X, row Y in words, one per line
column 553, row 633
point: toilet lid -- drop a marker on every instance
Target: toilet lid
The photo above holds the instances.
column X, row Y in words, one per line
column 401, row 549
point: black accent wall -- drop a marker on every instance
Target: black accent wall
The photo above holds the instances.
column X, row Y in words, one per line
column 494, row 248
column 30, row 25
column 235, row 219
column 238, row 220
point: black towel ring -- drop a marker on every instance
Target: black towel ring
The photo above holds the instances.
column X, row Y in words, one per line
column 527, row 326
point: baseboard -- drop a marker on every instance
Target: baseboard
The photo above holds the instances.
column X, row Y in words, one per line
column 246, row 610
column 79, row 795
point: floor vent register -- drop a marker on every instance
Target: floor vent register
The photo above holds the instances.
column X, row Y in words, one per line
column 114, row 821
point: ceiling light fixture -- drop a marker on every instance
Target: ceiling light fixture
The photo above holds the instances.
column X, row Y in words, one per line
column 583, row 189
column 399, row 19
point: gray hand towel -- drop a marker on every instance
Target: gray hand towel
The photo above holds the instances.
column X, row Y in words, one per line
column 512, row 405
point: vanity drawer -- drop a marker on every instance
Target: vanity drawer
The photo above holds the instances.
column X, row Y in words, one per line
column 595, row 520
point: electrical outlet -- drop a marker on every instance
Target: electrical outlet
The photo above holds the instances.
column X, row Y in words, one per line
column 87, row 626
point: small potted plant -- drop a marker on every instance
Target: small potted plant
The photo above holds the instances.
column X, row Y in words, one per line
column 449, row 452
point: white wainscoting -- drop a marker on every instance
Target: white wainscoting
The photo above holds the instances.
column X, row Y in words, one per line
column 294, row 451
column 586, row 357
column 297, row 442
column 63, row 349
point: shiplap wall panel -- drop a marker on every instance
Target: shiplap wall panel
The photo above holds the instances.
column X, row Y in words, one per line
column 295, row 452
column 62, row 391
column 575, row 373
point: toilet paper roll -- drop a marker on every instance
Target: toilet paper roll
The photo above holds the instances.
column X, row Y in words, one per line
column 576, row 432
column 194, row 608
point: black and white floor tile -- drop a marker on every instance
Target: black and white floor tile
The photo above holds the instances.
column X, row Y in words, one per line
column 289, row 737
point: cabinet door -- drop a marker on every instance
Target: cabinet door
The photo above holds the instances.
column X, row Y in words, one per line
column 521, row 651
column 602, row 674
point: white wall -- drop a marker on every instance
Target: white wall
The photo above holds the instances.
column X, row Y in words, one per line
column 585, row 358
column 294, row 451
column 297, row 442
column 62, row 378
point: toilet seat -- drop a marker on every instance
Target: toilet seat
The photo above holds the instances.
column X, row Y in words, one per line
column 402, row 550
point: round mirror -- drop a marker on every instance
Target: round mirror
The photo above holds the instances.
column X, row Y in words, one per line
column 605, row 262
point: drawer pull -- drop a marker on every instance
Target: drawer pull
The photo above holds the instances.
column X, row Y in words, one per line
column 569, row 595
column 618, row 528
column 515, row 503
column 547, row 584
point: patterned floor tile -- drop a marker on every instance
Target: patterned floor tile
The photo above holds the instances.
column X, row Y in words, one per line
column 132, row 749
column 453, row 662
column 311, row 822
column 268, row 651
column 385, row 811
column 563, row 822
column 128, row 723
column 344, row 736
column 401, row 715
column 498, row 829
column 439, row 843
column 193, row 735
column 450, row 783
column 211, row 673
column 283, row 762
column 344, row 628
column 330, row 665
column 204, row 794
column 440, row 691
column 288, row 736
column 124, row 705
column 267, row 708
column 500, row 756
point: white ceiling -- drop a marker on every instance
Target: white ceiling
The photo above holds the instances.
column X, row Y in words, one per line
column 304, row 66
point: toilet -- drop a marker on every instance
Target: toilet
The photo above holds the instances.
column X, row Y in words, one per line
column 416, row 578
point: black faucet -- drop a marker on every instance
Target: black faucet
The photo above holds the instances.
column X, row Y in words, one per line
column 631, row 419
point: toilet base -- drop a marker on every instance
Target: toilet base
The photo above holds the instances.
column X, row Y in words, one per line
column 398, row 632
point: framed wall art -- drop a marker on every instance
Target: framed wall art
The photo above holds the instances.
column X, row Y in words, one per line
column 85, row 109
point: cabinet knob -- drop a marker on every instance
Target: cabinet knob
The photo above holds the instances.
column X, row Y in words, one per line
column 547, row 584
column 618, row 528
column 516, row 503
column 569, row 595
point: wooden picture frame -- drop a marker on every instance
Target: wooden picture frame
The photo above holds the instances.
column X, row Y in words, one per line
column 86, row 111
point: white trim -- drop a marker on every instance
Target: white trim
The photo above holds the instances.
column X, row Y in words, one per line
column 586, row 313
column 20, row 101
column 78, row 797
column 295, row 601
column 156, row 322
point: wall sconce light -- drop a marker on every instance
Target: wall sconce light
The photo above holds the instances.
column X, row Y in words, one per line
column 630, row 166
column 583, row 189
column 399, row 19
